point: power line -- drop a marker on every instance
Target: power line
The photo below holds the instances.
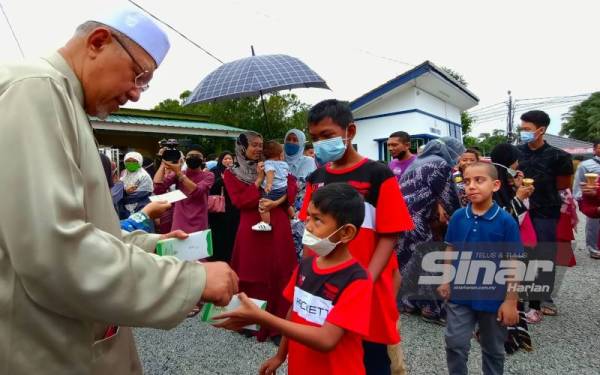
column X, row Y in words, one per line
column 489, row 106
column 177, row 31
column 553, row 97
column 499, row 117
column 494, row 114
column 494, row 109
column 12, row 31
column 386, row 58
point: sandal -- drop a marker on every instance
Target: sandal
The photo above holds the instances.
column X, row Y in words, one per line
column 533, row 316
column 549, row 308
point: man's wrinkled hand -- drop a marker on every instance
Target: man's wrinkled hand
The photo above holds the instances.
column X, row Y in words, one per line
column 221, row 283
column 179, row 234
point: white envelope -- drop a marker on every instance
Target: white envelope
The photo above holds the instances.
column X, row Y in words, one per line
column 171, row 197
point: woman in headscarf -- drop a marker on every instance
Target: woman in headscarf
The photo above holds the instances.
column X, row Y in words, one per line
column 300, row 167
column 263, row 261
column 223, row 224
column 425, row 184
column 137, row 183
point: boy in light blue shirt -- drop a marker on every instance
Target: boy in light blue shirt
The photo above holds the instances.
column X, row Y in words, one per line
column 275, row 183
column 480, row 237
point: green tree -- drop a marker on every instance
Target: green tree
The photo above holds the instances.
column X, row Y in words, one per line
column 284, row 112
column 470, row 141
column 466, row 120
column 583, row 120
column 486, row 144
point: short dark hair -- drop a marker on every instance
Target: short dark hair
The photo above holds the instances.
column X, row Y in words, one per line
column 474, row 152
column 341, row 201
column 272, row 149
column 195, row 147
column 309, row 146
column 596, row 142
column 403, row 136
column 537, row 118
column 490, row 168
column 339, row 112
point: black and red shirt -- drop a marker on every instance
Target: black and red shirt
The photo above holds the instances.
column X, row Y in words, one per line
column 339, row 295
column 385, row 213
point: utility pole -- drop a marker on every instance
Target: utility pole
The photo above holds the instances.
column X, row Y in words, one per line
column 510, row 134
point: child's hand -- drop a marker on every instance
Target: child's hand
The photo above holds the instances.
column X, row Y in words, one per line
column 268, row 188
column 155, row 209
column 444, row 291
column 524, row 192
column 248, row 313
column 508, row 315
column 271, row 365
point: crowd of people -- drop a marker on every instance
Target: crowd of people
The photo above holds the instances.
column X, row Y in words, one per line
column 338, row 245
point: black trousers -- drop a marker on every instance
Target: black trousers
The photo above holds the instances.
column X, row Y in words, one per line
column 545, row 229
column 376, row 358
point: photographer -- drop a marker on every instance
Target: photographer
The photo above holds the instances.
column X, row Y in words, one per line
column 191, row 214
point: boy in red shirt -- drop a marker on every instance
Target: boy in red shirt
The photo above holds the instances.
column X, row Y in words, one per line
column 330, row 294
column 332, row 129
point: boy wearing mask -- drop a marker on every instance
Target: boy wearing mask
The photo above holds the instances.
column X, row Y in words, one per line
column 331, row 127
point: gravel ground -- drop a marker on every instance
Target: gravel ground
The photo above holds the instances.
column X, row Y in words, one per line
column 565, row 344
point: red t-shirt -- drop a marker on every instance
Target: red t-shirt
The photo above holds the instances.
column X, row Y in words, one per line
column 340, row 295
column 385, row 213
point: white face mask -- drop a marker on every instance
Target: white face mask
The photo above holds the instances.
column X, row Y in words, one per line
column 321, row 246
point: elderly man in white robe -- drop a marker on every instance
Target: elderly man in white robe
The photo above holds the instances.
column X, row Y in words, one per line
column 69, row 278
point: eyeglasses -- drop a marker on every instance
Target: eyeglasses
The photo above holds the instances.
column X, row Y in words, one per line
column 142, row 79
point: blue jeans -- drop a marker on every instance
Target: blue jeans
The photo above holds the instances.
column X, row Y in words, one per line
column 275, row 194
column 592, row 226
column 460, row 324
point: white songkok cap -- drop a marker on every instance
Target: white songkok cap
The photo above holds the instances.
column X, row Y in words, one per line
column 141, row 29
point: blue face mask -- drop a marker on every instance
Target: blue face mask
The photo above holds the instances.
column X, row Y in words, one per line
column 329, row 150
column 527, row 137
column 291, row 149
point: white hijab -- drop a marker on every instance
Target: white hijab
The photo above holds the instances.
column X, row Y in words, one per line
column 140, row 178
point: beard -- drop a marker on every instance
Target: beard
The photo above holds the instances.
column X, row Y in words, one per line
column 401, row 155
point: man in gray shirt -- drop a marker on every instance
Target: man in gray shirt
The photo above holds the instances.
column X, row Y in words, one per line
column 592, row 225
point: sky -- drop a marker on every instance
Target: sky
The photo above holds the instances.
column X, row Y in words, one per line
column 533, row 48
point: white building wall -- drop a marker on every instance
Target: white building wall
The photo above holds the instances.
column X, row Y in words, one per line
column 413, row 123
column 382, row 127
column 431, row 104
column 401, row 100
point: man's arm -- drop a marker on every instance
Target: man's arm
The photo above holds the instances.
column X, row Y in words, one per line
column 382, row 254
column 564, row 172
column 579, row 178
column 71, row 266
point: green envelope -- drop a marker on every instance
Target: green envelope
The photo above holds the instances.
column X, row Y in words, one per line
column 209, row 310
